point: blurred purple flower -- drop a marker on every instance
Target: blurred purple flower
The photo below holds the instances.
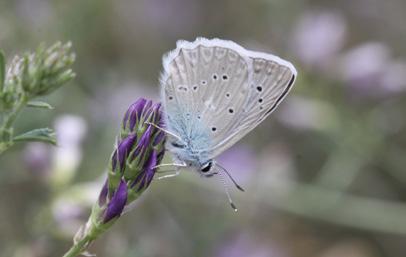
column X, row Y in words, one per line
column 37, row 158
column 369, row 70
column 240, row 161
column 318, row 37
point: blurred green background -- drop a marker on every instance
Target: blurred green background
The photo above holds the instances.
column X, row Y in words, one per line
column 324, row 176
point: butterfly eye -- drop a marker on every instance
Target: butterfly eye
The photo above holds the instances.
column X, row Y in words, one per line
column 206, row 167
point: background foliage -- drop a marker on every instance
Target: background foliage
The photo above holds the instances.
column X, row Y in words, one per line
column 324, row 176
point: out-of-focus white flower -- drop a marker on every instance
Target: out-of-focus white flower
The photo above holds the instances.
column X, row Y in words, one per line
column 72, row 206
column 70, row 131
column 369, row 70
column 306, row 114
column 318, row 37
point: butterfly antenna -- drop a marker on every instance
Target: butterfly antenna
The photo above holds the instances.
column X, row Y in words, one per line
column 166, row 131
column 231, row 178
column 227, row 193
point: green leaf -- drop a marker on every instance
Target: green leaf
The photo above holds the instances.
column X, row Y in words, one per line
column 40, row 104
column 2, row 70
column 45, row 135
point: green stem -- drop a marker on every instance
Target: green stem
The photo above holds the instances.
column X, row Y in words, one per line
column 92, row 230
column 79, row 247
column 6, row 131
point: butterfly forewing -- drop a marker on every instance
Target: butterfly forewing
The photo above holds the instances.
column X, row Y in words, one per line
column 205, row 87
column 218, row 89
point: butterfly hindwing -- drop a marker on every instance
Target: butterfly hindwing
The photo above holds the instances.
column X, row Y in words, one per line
column 270, row 82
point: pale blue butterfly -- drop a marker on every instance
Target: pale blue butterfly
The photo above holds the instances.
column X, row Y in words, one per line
column 214, row 92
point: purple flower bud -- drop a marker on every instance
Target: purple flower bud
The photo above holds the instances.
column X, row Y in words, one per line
column 143, row 180
column 147, row 109
column 143, row 143
column 134, row 113
column 116, row 205
column 123, row 150
column 159, row 137
column 139, row 150
column 157, row 115
column 150, row 168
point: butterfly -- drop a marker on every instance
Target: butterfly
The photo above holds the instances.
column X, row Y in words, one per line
column 214, row 92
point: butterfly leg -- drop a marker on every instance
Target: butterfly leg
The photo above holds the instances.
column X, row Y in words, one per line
column 177, row 172
column 180, row 165
column 177, row 166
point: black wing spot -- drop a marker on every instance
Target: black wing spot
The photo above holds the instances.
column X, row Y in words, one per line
column 213, row 129
column 225, row 77
column 203, row 82
column 260, row 100
column 230, row 110
column 195, row 88
column 182, row 88
column 227, row 94
column 259, row 88
column 170, row 97
column 214, row 76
